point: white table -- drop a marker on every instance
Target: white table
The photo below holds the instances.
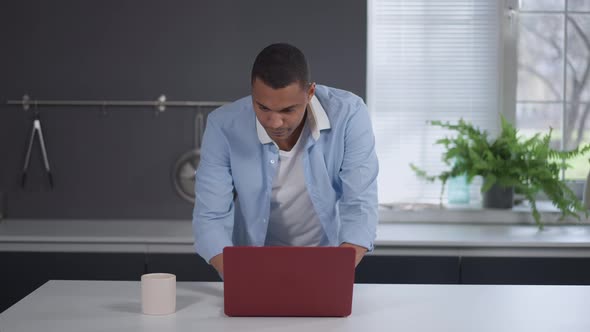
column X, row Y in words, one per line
column 61, row 306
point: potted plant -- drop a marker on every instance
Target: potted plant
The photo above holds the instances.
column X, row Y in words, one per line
column 509, row 162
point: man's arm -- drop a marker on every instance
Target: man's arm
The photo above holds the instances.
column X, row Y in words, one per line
column 359, row 252
column 217, row 263
column 213, row 213
column 358, row 204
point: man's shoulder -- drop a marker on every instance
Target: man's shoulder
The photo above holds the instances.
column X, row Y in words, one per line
column 339, row 103
column 333, row 95
column 230, row 113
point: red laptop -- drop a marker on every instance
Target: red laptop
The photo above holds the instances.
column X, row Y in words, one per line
column 288, row 281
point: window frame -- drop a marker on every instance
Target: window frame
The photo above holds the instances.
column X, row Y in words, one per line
column 510, row 57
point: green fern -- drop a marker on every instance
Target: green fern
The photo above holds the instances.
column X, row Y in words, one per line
column 529, row 165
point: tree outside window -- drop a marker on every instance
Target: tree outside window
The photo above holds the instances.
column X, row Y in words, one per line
column 554, row 74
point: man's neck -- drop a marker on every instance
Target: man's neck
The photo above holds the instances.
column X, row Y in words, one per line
column 288, row 144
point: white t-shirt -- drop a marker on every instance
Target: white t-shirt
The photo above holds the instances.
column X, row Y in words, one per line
column 293, row 220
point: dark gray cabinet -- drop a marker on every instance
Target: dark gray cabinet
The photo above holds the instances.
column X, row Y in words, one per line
column 408, row 270
column 186, row 267
column 528, row 271
column 372, row 269
column 23, row 272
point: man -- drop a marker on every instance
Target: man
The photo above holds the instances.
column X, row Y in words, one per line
column 293, row 164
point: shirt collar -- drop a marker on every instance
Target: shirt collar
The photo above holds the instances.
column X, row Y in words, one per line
column 316, row 119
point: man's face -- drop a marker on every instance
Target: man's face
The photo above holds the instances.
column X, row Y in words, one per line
column 281, row 111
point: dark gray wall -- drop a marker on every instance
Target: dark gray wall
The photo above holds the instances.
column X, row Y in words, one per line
column 119, row 165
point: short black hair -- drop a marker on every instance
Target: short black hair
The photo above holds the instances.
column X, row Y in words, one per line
column 279, row 65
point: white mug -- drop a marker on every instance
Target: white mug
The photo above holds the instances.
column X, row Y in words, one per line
column 158, row 293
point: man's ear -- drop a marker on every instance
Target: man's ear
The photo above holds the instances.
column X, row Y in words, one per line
column 310, row 91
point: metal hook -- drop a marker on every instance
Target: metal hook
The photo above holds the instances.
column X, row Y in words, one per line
column 161, row 104
column 36, row 110
column 25, row 101
column 200, row 128
column 103, row 112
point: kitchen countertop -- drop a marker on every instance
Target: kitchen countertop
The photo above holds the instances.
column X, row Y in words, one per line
column 395, row 238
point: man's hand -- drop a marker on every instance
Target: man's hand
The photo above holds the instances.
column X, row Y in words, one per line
column 217, row 263
column 360, row 252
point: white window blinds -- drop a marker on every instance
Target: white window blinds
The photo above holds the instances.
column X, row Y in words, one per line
column 428, row 60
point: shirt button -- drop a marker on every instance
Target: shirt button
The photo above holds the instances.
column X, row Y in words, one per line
column 272, row 161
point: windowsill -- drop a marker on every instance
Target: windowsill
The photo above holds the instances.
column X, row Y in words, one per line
column 474, row 214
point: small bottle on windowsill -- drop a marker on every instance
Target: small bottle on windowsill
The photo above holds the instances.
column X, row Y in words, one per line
column 458, row 191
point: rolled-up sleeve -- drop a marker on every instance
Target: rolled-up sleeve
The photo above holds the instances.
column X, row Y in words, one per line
column 213, row 217
column 358, row 205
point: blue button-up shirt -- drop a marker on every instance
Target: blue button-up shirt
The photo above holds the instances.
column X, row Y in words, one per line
column 235, row 175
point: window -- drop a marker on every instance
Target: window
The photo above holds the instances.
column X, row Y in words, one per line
column 428, row 60
column 554, row 74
